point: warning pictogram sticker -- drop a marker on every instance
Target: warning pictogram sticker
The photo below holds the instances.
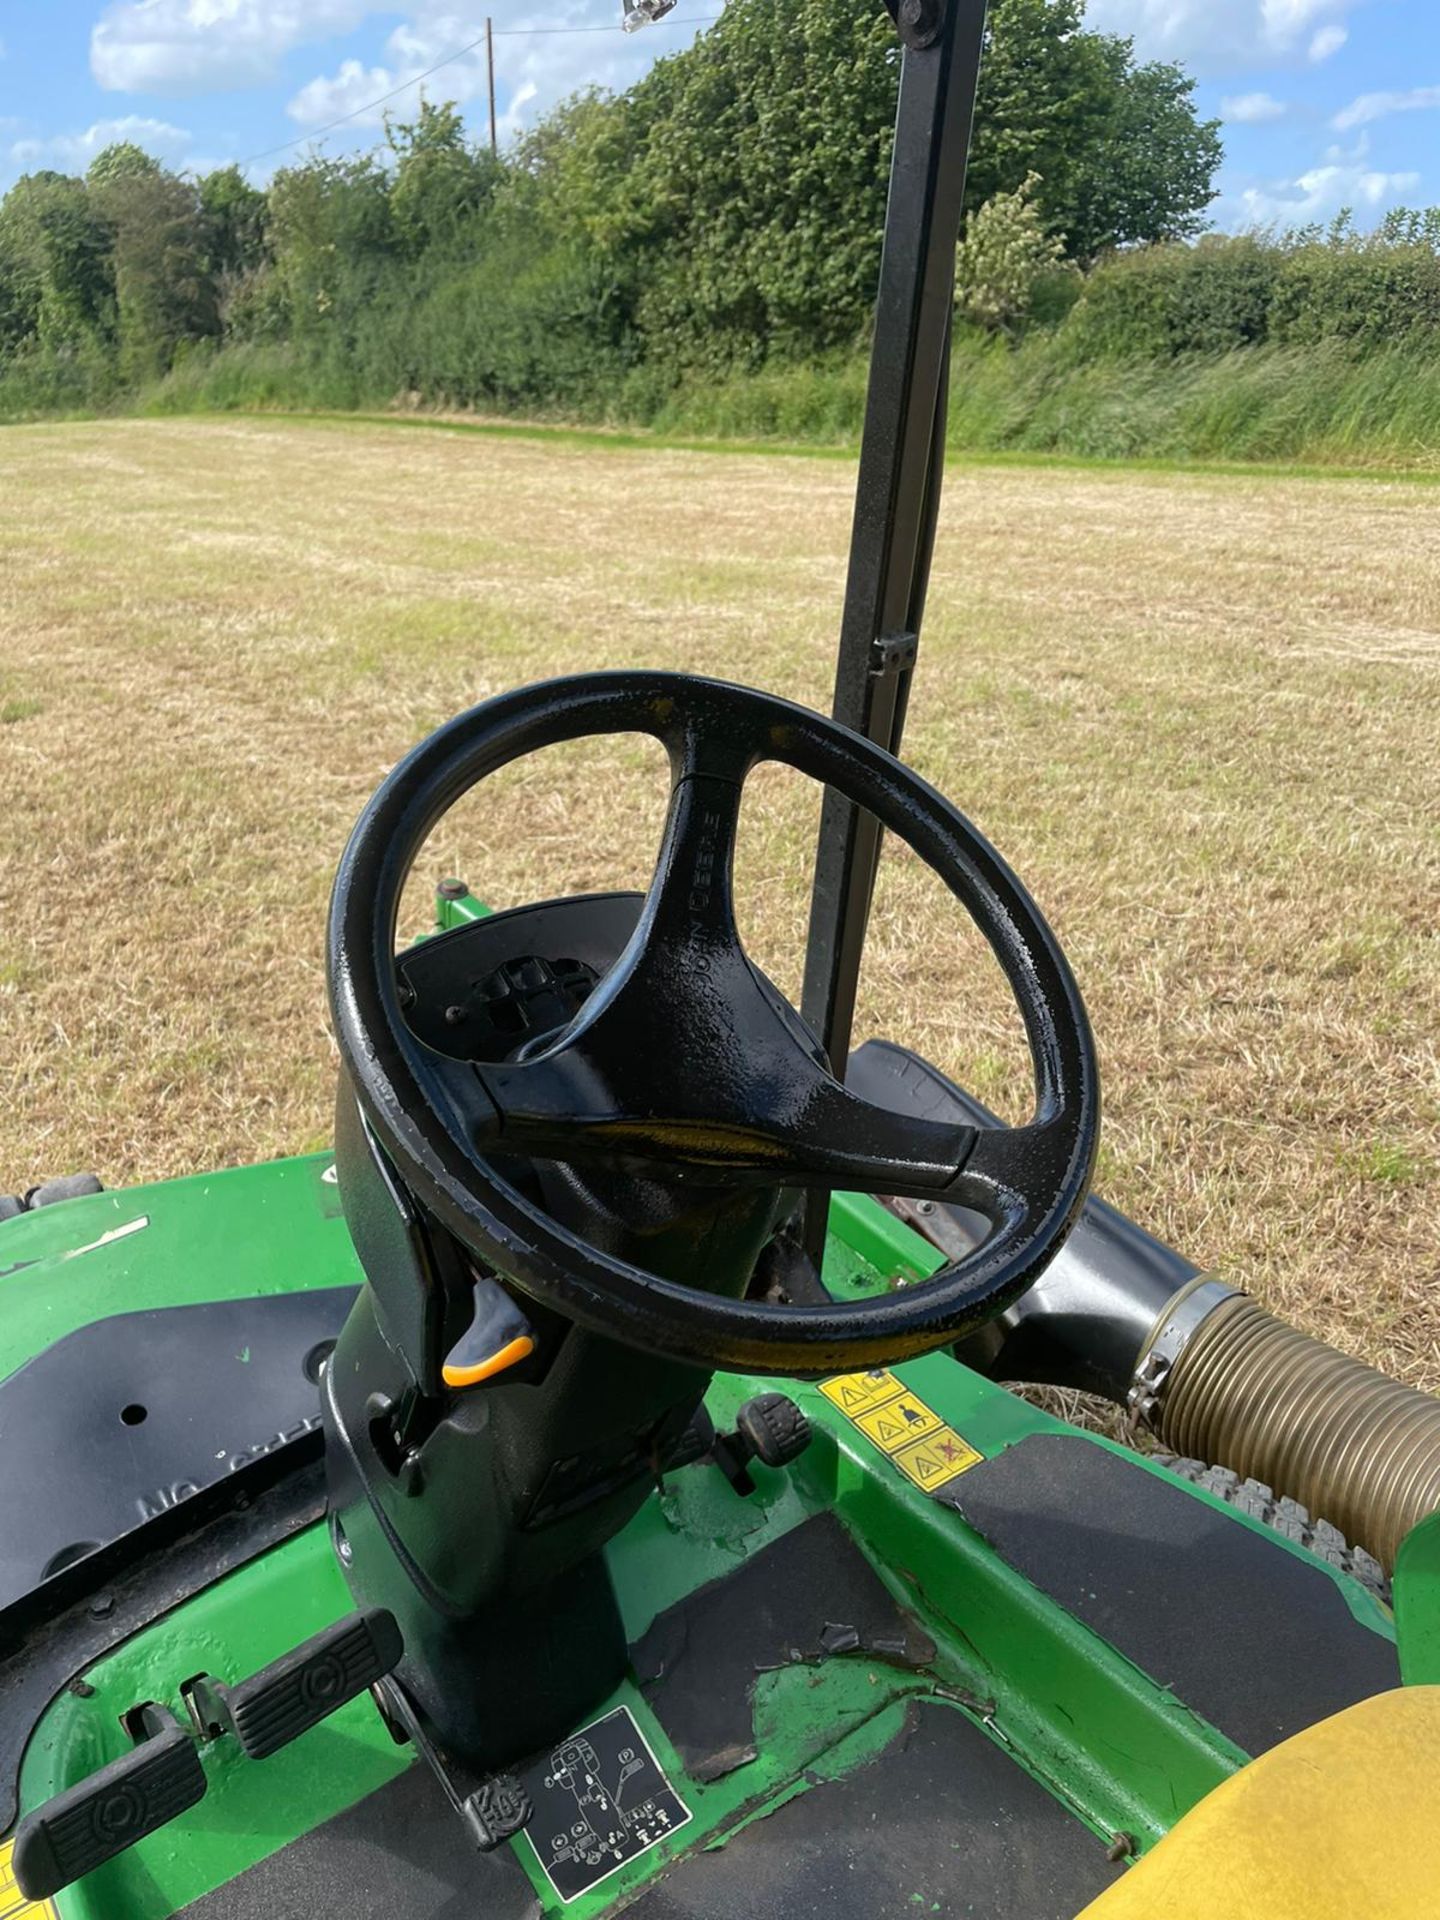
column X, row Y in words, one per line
column 933, row 1461
column 857, row 1393
column 926, row 1451
column 898, row 1422
column 13, row 1904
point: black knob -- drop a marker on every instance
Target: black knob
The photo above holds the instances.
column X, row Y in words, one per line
column 773, row 1429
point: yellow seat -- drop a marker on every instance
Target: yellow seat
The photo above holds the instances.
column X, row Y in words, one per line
column 1343, row 1820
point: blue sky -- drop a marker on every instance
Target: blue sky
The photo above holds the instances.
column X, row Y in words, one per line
column 1325, row 103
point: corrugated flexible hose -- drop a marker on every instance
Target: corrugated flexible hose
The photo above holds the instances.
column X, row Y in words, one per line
column 1282, row 1407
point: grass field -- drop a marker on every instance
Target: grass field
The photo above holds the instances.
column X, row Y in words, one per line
column 1200, row 714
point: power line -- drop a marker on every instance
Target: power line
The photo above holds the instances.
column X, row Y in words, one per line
column 501, row 33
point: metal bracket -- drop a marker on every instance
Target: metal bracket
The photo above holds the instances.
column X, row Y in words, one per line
column 893, row 652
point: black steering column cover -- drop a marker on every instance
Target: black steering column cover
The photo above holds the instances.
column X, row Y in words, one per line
column 747, row 1092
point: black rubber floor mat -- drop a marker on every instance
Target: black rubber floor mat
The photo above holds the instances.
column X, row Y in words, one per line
column 1254, row 1639
column 399, row 1854
column 810, row 1594
column 942, row 1825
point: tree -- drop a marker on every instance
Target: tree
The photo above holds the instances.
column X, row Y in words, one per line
column 736, row 194
column 235, row 222
column 122, row 160
column 333, row 236
column 1005, row 258
column 54, row 256
column 1119, row 149
column 739, row 188
column 164, row 292
column 441, row 184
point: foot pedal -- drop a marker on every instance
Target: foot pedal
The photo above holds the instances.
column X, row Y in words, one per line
column 306, row 1685
column 89, row 1824
column 496, row 1810
column 493, row 1808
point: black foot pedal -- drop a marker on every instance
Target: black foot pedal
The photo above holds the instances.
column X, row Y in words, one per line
column 493, row 1809
column 497, row 1809
column 770, row 1428
column 301, row 1688
column 90, row 1823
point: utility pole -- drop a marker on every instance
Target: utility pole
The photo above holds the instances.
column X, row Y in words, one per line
column 490, row 68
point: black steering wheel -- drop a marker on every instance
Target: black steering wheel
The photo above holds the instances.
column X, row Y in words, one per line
column 684, row 1055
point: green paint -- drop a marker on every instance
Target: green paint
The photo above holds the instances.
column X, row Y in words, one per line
column 272, row 1228
column 1417, row 1604
column 251, row 1807
column 459, row 913
column 1113, row 1746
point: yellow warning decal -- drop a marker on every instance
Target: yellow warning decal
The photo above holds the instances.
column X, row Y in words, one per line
column 856, row 1393
column 889, row 1415
column 895, row 1425
column 930, row 1463
column 13, row 1904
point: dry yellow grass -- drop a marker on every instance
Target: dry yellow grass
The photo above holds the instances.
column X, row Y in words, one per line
column 1200, row 715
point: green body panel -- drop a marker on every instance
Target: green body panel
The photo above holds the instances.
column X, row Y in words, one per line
column 1121, row 1752
column 1417, row 1604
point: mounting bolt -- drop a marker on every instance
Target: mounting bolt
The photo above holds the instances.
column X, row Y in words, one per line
column 919, row 22
column 451, row 890
column 1120, row 1848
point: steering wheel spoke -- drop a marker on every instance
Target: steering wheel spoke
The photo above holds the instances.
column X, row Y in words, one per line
column 1009, row 1171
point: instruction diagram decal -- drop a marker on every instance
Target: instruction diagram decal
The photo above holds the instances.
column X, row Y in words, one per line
column 600, row 1799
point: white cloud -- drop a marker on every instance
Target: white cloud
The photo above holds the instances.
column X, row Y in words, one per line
column 1347, row 156
column 1218, row 36
column 1318, row 194
column 533, row 70
column 77, row 150
column 1250, row 109
column 1377, row 106
column 344, row 91
column 198, row 46
column 1327, row 41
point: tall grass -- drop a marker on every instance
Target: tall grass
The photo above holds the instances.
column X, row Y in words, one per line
column 1325, row 404
column 1320, row 404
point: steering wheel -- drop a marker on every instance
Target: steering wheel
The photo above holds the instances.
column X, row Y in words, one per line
column 685, row 1056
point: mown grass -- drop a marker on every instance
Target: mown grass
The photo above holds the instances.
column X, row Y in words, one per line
column 1197, row 712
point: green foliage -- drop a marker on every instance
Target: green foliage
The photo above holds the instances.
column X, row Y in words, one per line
column 723, row 215
column 1118, row 147
column 440, row 186
column 236, row 219
column 1004, row 260
column 1365, row 288
column 122, row 160
column 700, row 254
column 1177, row 299
column 332, row 235
column 54, row 261
column 158, row 258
